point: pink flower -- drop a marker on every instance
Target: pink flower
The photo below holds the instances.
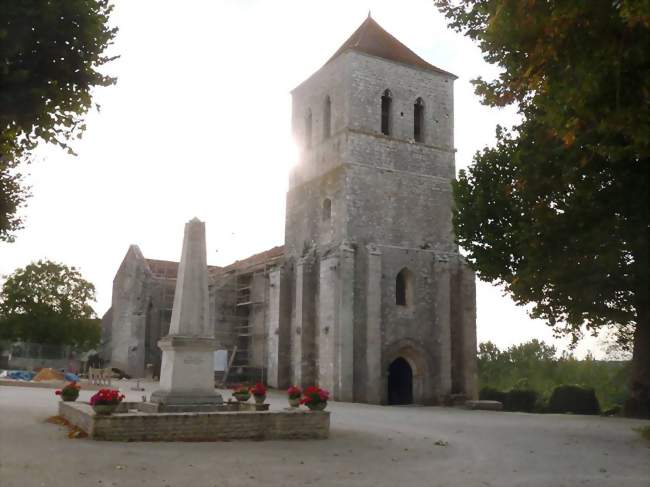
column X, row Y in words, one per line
column 294, row 392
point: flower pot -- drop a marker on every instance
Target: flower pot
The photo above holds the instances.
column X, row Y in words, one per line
column 242, row 397
column 259, row 399
column 318, row 406
column 104, row 409
column 294, row 402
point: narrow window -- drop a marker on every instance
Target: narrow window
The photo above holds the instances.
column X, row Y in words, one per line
column 327, row 118
column 327, row 209
column 403, row 288
column 418, row 120
column 308, row 130
column 386, row 101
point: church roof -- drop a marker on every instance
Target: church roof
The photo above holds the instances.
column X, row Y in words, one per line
column 254, row 261
column 169, row 269
column 371, row 38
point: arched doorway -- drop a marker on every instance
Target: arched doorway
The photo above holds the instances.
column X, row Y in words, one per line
column 400, row 382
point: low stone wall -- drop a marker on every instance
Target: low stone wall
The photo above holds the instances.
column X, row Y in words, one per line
column 200, row 426
column 78, row 413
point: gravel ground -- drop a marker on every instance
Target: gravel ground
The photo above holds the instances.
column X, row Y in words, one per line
column 369, row 446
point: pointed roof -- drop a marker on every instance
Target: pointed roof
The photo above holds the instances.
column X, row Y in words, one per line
column 371, row 38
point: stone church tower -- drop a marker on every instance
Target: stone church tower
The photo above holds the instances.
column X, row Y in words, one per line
column 369, row 297
column 383, row 305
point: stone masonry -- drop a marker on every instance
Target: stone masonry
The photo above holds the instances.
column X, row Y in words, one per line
column 369, row 296
column 133, row 425
column 187, row 370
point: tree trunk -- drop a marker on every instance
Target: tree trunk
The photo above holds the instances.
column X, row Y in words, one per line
column 638, row 403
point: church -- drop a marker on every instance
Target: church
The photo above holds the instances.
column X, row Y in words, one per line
column 369, row 296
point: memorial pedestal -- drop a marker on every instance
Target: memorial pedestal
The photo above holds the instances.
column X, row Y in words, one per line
column 187, row 374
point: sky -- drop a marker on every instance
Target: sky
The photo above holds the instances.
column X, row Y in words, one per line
column 198, row 125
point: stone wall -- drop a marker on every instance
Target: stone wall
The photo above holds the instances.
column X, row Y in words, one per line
column 139, row 316
column 278, row 326
column 213, row 426
column 131, row 296
column 371, row 76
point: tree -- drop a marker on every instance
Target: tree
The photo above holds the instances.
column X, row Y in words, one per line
column 49, row 303
column 533, row 365
column 50, row 55
column 557, row 211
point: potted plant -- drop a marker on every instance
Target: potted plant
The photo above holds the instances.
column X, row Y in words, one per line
column 69, row 393
column 294, row 394
column 259, row 393
column 315, row 398
column 241, row 393
column 105, row 401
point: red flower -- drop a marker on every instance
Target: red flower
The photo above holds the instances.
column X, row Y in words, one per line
column 315, row 395
column 106, row 396
column 258, row 390
column 58, row 393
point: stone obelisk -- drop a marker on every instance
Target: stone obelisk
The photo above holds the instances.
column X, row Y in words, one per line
column 187, row 371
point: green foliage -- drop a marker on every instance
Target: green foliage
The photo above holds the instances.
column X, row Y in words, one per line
column 492, row 394
column 573, row 399
column 50, row 59
column 534, row 366
column 561, row 235
column 575, row 67
column 558, row 210
column 49, row 303
column 517, row 399
column 524, row 400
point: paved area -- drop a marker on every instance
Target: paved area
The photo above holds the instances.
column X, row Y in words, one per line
column 369, row 446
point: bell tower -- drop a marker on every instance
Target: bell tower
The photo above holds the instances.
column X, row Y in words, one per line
column 375, row 273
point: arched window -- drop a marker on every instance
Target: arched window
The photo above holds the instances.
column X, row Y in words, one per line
column 386, row 101
column 327, row 118
column 404, row 288
column 327, row 209
column 418, row 120
column 308, row 129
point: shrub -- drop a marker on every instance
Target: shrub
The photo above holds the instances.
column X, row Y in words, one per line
column 521, row 400
column 573, row 399
column 70, row 392
column 492, row 394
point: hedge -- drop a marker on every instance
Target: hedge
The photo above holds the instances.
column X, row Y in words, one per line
column 573, row 399
column 513, row 400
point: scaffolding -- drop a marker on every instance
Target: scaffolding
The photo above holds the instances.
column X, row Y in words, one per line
column 246, row 339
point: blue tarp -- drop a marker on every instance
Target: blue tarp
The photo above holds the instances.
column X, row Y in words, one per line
column 69, row 376
column 20, row 375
